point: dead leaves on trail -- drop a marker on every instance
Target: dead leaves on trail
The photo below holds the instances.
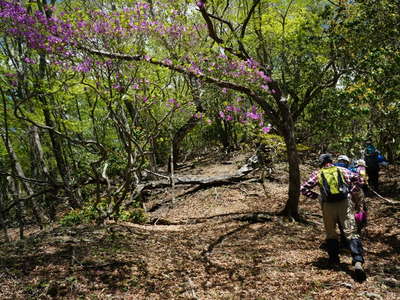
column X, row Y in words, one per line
column 237, row 249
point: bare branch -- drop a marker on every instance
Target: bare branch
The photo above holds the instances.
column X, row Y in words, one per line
column 26, row 199
column 242, row 54
column 210, row 26
column 248, row 17
column 313, row 90
column 333, row 3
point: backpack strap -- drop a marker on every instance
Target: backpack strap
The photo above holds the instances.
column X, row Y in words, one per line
column 343, row 187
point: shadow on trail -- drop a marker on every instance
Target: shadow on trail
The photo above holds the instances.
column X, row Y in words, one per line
column 392, row 241
column 323, row 264
column 72, row 256
column 204, row 255
column 251, row 217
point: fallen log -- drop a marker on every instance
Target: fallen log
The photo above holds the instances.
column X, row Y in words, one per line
column 200, row 180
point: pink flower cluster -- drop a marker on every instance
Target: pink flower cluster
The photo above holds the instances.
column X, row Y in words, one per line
column 233, row 112
column 105, row 30
column 200, row 4
column 39, row 31
column 62, row 36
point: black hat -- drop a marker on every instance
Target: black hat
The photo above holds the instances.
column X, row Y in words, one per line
column 325, row 158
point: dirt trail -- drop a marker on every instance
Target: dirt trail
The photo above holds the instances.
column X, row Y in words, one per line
column 230, row 245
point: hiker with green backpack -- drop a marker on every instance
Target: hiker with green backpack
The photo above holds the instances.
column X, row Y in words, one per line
column 336, row 185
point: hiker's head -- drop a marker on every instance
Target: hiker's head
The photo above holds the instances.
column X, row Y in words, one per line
column 325, row 159
column 343, row 159
column 360, row 163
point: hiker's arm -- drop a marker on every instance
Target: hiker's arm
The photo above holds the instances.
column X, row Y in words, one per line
column 305, row 189
column 357, row 181
column 353, row 180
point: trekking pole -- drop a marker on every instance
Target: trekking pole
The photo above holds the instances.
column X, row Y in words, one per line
column 379, row 196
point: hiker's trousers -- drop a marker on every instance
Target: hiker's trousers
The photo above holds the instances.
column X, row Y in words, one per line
column 358, row 200
column 373, row 177
column 339, row 212
column 342, row 213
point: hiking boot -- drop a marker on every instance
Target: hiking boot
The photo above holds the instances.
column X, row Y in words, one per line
column 359, row 272
column 333, row 252
column 323, row 246
column 344, row 244
column 334, row 262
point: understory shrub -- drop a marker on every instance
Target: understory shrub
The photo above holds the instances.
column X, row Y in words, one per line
column 92, row 212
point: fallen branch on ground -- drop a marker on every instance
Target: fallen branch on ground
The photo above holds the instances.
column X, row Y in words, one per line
column 383, row 198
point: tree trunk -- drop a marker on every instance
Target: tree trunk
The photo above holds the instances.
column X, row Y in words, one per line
column 3, row 199
column 40, row 170
column 19, row 207
column 17, row 170
column 224, row 134
column 292, row 205
column 73, row 199
column 38, row 153
column 190, row 124
column 132, row 111
column 178, row 138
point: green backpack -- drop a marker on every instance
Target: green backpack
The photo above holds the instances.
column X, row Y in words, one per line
column 332, row 184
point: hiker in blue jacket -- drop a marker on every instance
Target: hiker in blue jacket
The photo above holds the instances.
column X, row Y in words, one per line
column 372, row 159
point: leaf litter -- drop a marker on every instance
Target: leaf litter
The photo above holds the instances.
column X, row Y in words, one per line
column 227, row 243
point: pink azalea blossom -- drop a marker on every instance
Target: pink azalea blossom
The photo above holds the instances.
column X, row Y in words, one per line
column 253, row 116
column 10, row 74
column 29, row 60
column 266, row 129
column 200, row 4
column 167, row 61
column 81, row 24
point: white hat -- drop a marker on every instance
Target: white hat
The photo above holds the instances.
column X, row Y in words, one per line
column 344, row 157
column 360, row 162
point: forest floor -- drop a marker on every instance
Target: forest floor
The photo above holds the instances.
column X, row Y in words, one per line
column 221, row 242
